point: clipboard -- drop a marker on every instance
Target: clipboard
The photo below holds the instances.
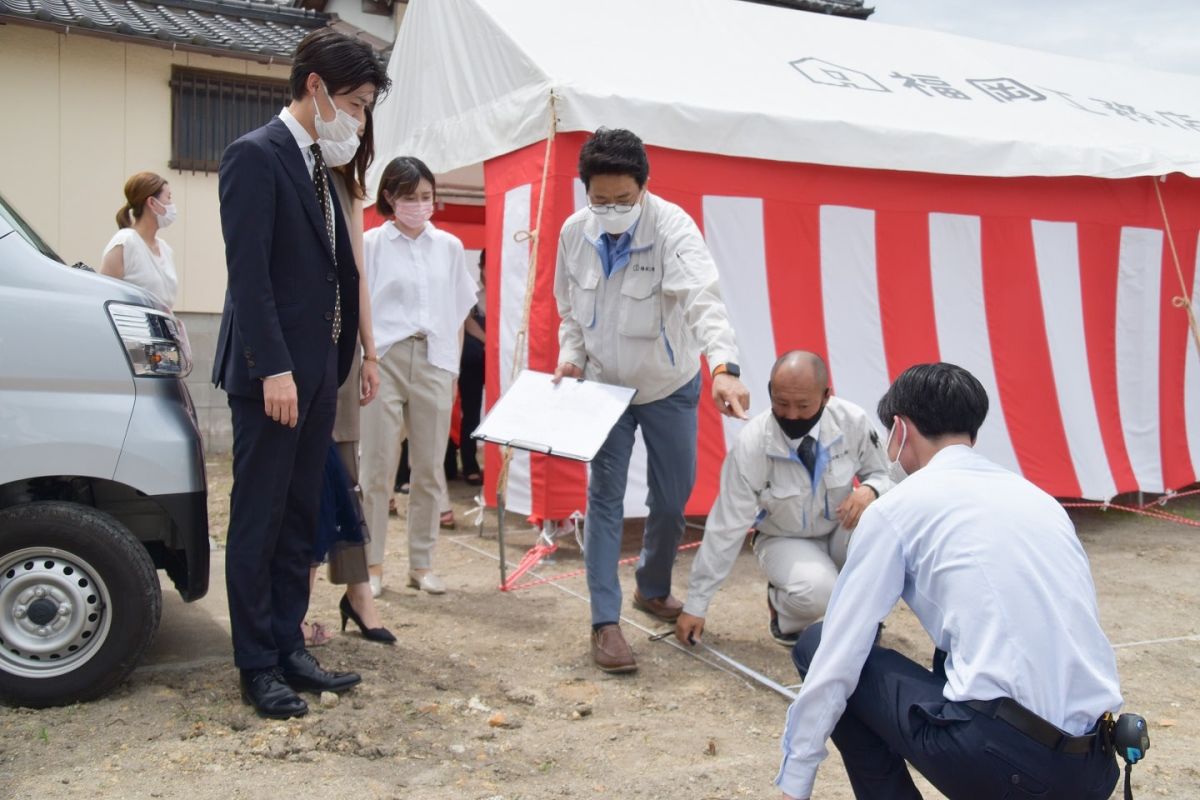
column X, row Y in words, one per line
column 570, row 420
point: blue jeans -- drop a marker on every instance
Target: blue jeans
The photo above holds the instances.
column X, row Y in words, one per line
column 669, row 429
column 897, row 713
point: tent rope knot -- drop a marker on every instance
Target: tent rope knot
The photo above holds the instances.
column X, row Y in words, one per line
column 1181, row 301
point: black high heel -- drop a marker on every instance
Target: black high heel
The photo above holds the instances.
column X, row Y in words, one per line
column 373, row 634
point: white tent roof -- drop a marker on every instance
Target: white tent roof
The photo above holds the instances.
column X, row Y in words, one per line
column 473, row 79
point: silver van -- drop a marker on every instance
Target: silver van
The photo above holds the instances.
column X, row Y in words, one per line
column 101, row 473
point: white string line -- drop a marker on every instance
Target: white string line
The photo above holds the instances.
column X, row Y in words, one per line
column 758, row 676
column 627, row 620
column 1193, row 638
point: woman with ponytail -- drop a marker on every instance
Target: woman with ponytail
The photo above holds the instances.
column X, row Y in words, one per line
column 135, row 253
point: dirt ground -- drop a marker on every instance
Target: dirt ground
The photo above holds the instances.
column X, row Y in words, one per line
column 492, row 696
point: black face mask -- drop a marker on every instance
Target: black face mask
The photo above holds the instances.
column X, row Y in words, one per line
column 796, row 428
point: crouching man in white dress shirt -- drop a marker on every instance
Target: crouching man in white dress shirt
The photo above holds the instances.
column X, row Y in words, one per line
column 992, row 568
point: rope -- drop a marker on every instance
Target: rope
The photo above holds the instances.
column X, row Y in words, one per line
column 1171, row 496
column 520, row 353
column 1143, row 510
column 1184, row 300
column 531, row 559
column 575, row 573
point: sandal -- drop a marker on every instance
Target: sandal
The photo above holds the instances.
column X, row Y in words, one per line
column 473, row 479
column 315, row 634
column 447, row 520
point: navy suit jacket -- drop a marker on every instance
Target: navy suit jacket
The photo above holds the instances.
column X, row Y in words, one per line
column 279, row 302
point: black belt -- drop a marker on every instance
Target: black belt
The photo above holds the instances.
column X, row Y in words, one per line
column 1033, row 726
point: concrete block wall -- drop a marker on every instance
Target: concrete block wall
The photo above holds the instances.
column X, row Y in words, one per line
column 212, row 409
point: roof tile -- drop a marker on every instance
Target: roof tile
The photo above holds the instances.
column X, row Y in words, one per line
column 244, row 27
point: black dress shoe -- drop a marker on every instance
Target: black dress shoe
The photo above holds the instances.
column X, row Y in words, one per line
column 304, row 674
column 271, row 697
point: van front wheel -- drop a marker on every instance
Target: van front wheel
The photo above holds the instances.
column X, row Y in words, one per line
column 79, row 603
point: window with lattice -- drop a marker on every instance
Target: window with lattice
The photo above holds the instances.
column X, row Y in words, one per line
column 211, row 109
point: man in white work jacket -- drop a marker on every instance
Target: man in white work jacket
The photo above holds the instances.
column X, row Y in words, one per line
column 790, row 476
column 992, row 568
column 638, row 295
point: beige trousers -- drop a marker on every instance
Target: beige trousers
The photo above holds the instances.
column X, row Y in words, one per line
column 802, row 573
column 417, row 396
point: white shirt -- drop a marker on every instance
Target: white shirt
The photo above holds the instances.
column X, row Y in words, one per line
column 304, row 142
column 646, row 325
column 154, row 273
column 991, row 566
column 418, row 286
column 765, row 485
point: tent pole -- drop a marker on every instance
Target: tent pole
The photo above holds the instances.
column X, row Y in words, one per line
column 521, row 348
column 500, row 538
column 546, row 538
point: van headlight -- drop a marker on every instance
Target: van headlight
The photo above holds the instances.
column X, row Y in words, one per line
column 154, row 340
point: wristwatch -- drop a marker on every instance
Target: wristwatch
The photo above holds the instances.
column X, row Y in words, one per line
column 729, row 368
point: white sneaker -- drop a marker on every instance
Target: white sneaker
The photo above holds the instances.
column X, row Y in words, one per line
column 427, row 582
column 376, row 585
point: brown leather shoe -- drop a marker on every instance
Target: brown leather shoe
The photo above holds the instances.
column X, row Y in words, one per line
column 666, row 608
column 611, row 652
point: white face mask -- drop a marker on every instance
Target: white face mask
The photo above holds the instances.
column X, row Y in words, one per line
column 169, row 213
column 413, row 213
column 616, row 224
column 338, row 153
column 338, row 138
column 895, row 470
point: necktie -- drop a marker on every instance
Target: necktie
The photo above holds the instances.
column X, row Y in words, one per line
column 321, row 181
column 807, row 451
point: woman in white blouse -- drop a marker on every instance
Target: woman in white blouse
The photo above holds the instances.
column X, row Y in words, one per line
column 421, row 293
column 135, row 253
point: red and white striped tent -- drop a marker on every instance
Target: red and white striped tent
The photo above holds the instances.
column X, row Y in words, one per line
column 881, row 195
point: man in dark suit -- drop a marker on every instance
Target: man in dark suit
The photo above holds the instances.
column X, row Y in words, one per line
column 286, row 343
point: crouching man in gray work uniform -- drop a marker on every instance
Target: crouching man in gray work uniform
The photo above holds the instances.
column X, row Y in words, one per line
column 790, row 475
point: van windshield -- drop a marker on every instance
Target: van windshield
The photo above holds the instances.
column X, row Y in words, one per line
column 9, row 215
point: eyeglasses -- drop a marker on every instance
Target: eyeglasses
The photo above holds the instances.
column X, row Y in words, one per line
column 611, row 208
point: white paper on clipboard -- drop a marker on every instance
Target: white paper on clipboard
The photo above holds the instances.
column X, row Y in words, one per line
column 571, row 419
